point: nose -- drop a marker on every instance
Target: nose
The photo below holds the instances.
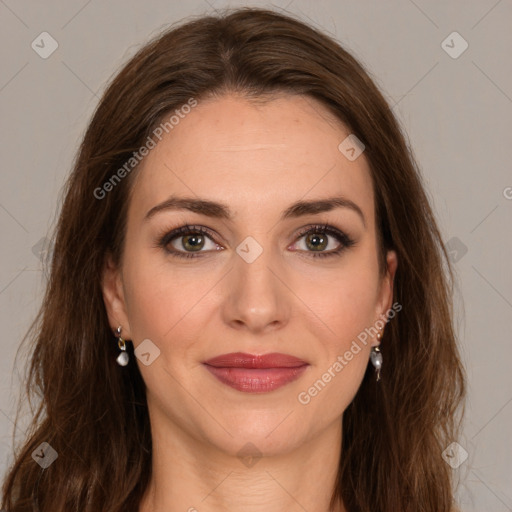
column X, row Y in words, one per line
column 256, row 296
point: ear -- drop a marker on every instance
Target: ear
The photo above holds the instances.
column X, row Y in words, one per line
column 385, row 300
column 113, row 296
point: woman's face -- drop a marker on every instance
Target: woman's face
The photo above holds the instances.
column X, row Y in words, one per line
column 254, row 282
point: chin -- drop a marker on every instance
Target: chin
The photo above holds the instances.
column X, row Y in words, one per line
column 266, row 433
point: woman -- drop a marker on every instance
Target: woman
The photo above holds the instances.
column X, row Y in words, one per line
column 249, row 304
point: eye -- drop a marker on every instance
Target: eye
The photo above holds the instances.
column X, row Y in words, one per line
column 189, row 241
column 183, row 242
column 316, row 241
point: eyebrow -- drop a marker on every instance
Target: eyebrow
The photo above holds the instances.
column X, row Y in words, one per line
column 222, row 211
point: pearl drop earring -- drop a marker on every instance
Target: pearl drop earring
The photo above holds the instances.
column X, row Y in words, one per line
column 123, row 358
column 376, row 357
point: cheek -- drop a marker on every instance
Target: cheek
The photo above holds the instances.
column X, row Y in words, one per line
column 344, row 300
column 355, row 298
column 165, row 302
column 346, row 311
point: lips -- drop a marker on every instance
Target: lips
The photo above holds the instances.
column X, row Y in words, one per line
column 256, row 373
column 241, row 360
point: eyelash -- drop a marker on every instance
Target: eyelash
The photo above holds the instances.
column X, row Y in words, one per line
column 340, row 236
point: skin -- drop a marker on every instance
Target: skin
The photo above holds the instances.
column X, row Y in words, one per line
column 257, row 159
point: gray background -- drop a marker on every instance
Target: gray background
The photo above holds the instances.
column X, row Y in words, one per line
column 456, row 111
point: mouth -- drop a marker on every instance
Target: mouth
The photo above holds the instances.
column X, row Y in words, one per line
column 256, row 373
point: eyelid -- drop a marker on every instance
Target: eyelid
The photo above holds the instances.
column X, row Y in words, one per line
column 343, row 238
column 168, row 235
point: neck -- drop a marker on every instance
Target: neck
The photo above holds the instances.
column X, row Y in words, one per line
column 196, row 476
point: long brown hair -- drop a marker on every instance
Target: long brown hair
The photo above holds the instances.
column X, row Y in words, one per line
column 95, row 416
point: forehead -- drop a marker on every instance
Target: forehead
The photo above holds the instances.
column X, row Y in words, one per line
column 257, row 157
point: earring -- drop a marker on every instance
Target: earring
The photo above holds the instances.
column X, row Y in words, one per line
column 376, row 357
column 123, row 358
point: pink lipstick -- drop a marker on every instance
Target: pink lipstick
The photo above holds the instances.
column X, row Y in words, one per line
column 256, row 374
